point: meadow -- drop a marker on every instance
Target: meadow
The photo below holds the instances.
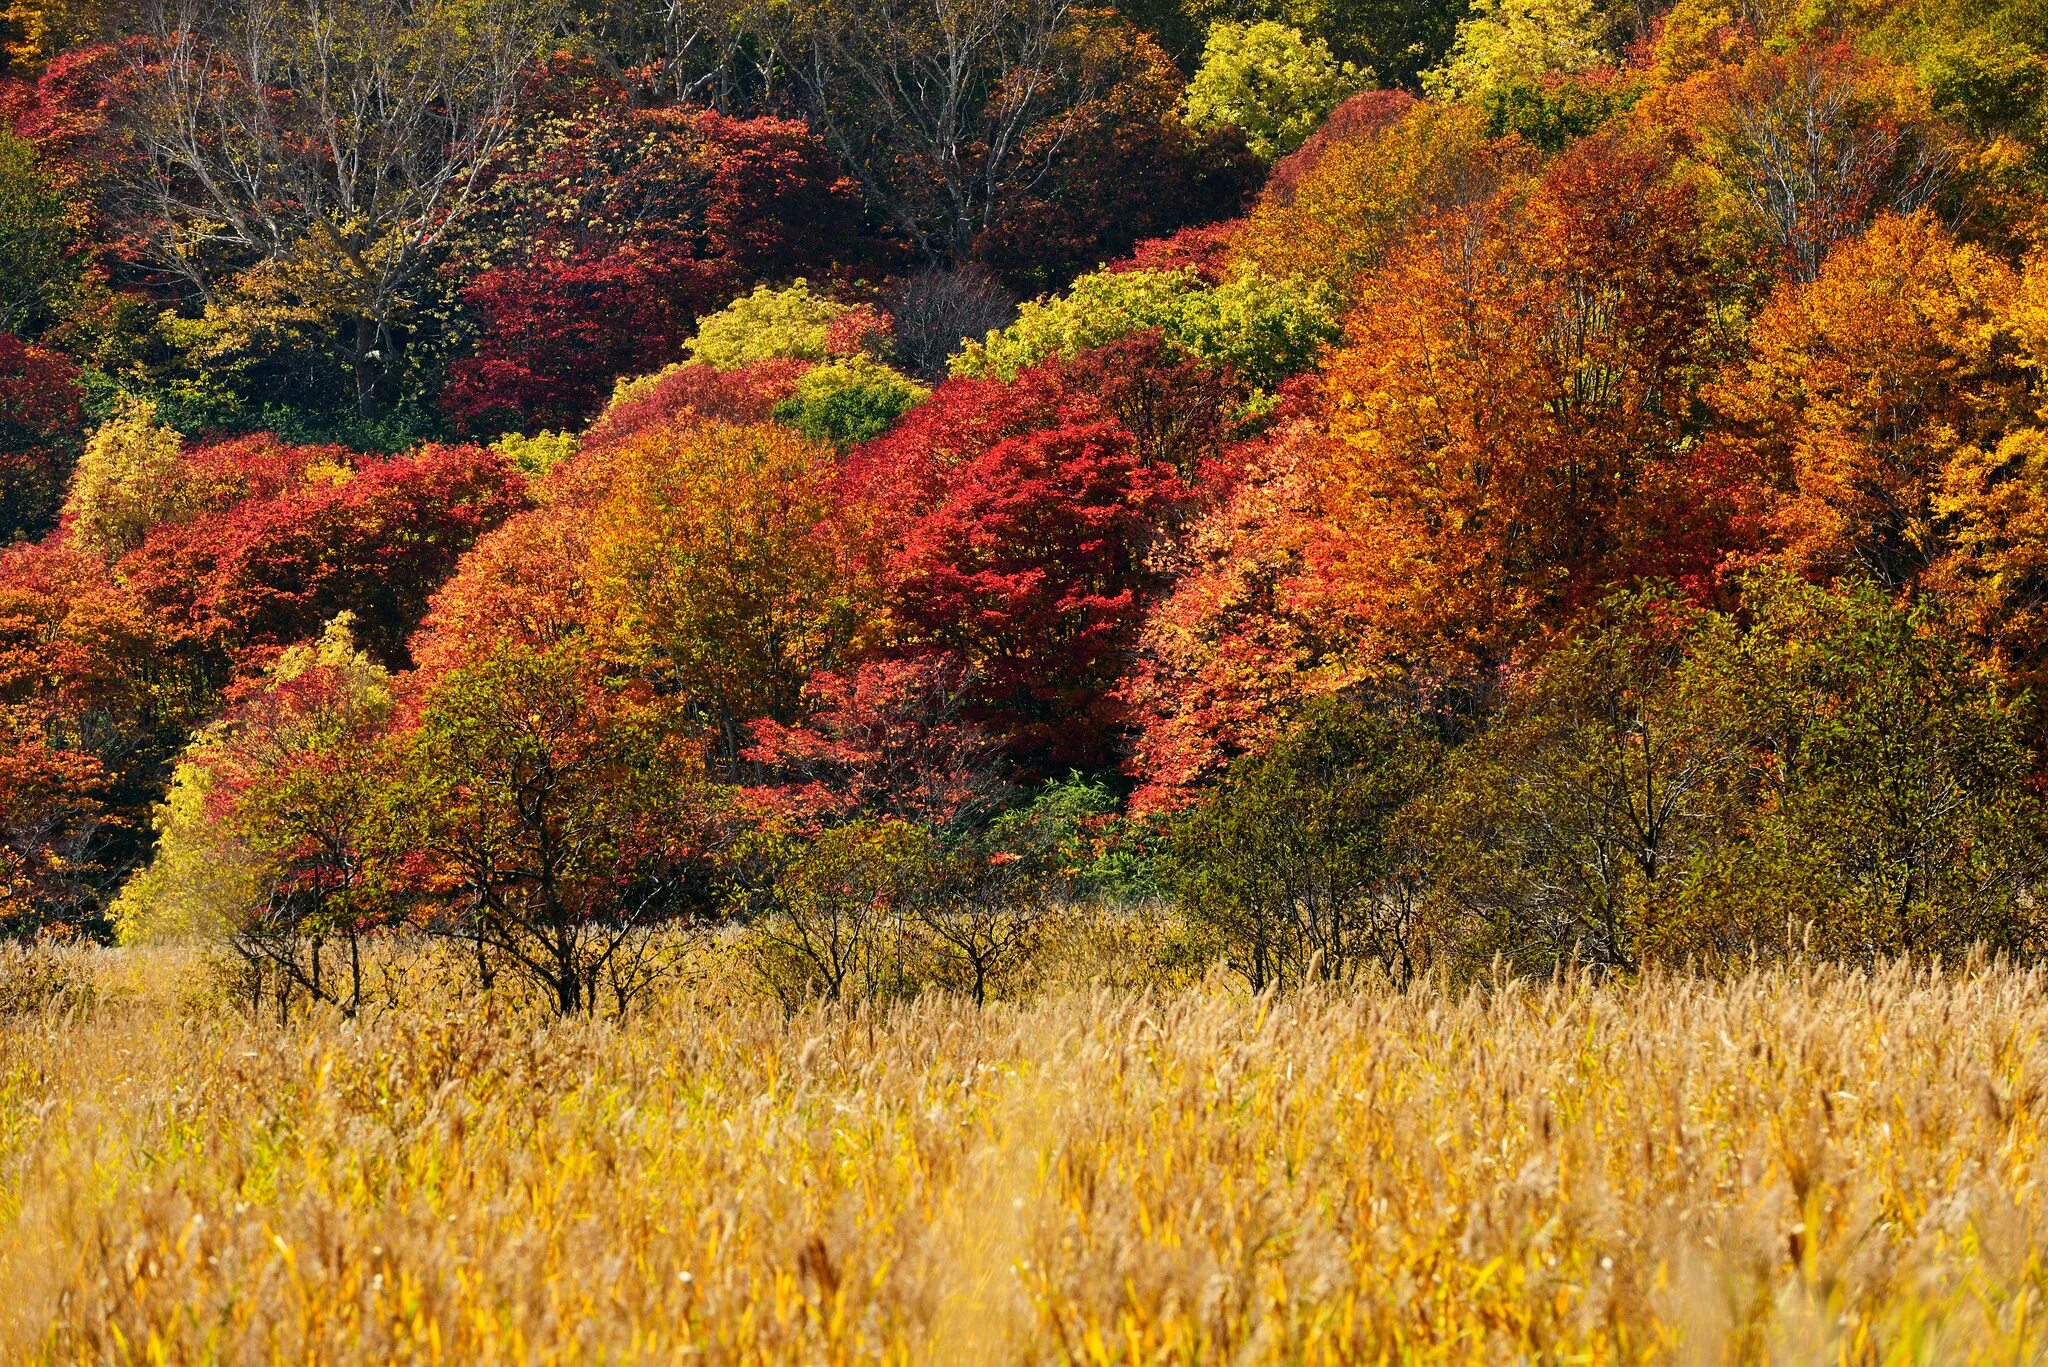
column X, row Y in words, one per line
column 1796, row 1164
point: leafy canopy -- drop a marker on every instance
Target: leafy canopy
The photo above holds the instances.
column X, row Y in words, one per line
column 1269, row 82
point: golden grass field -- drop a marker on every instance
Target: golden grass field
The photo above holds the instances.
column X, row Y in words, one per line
column 1793, row 1166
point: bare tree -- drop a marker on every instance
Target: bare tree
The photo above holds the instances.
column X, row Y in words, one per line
column 336, row 138
column 936, row 310
column 1816, row 145
column 946, row 111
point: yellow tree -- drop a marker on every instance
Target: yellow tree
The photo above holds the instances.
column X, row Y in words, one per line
column 725, row 567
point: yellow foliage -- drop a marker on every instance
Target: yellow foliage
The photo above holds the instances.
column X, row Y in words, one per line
column 1363, row 193
column 200, row 878
column 541, row 452
column 129, row 479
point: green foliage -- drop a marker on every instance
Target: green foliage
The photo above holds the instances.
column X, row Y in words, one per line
column 534, row 456
column 1671, row 785
column 829, row 916
column 849, row 401
column 1074, row 829
column 791, row 323
column 1890, row 783
column 1268, row 82
column 1293, row 864
column 36, row 238
column 260, row 795
column 1266, row 329
column 559, row 818
column 130, row 478
column 1549, row 114
column 1519, row 43
column 1568, row 829
column 1989, row 86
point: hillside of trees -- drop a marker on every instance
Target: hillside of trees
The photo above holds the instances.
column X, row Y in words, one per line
column 1412, row 486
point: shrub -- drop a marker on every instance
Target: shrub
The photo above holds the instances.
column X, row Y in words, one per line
column 1293, row 862
column 849, row 401
column 1670, row 785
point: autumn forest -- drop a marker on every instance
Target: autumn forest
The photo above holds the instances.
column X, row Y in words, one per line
column 1010, row 680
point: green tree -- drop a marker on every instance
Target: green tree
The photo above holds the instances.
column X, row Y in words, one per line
column 272, row 837
column 849, row 401
column 1568, row 830
column 1269, row 82
column 828, row 914
column 1295, row 864
column 1889, row 781
column 1669, row 783
column 36, row 237
column 559, row 818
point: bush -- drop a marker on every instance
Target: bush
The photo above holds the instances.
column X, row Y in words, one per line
column 1293, row 863
column 44, row 977
column 849, row 401
column 1265, row 329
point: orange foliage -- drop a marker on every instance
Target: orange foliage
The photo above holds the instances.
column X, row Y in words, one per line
column 1511, row 421
column 1243, row 638
column 1863, row 385
column 724, row 568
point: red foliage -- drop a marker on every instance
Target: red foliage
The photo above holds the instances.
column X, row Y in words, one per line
column 1179, row 410
column 51, row 814
column 40, row 431
column 704, row 392
column 885, row 736
column 524, row 584
column 622, row 227
column 272, row 568
column 1123, row 168
column 1228, row 656
column 901, row 473
column 74, row 117
column 1029, row 569
column 775, row 202
column 557, row 333
column 95, row 700
column 1205, row 250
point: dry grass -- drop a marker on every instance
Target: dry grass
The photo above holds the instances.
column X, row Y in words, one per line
column 1799, row 1167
